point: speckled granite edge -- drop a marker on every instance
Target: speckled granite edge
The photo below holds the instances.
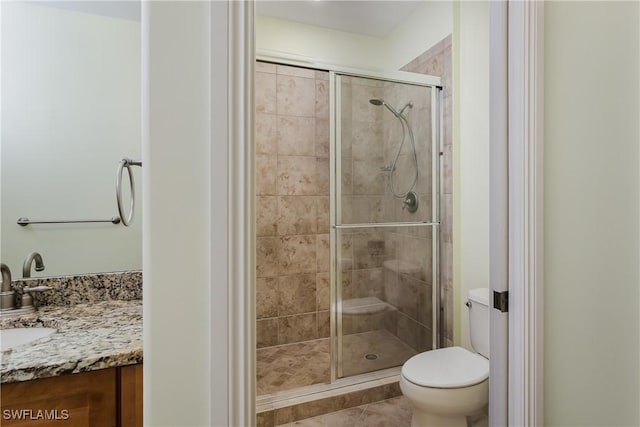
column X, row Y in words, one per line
column 86, row 288
column 89, row 337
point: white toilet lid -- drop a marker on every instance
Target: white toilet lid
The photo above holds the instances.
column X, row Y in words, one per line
column 451, row 367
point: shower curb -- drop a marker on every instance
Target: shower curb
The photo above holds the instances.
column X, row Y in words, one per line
column 324, row 402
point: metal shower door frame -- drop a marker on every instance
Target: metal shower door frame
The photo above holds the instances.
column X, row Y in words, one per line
column 335, row 202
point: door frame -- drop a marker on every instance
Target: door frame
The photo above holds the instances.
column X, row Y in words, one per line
column 517, row 195
column 516, row 233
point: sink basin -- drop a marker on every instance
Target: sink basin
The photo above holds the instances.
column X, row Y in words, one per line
column 10, row 338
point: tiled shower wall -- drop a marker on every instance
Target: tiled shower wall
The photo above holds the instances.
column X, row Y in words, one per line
column 409, row 274
column 292, row 204
column 437, row 61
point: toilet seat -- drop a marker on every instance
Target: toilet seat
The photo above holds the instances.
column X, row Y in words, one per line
column 451, row 367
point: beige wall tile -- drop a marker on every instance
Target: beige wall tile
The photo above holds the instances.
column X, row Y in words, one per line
column 346, row 103
column 425, row 339
column 418, row 252
column 266, row 173
column 265, row 93
column 297, row 328
column 266, row 216
column 322, row 137
column 323, row 291
column 391, row 287
column 347, row 176
column 446, row 265
column 368, row 250
column 324, row 324
column 408, row 331
column 297, row 294
column 323, row 253
column 297, row 254
column 345, row 139
column 267, row 300
column 345, row 214
column 409, row 294
column 447, row 170
column 297, row 215
column 347, row 251
column 366, row 209
column 447, row 112
column 296, row 96
column 347, row 283
column 322, row 75
column 368, row 283
column 362, row 109
column 296, row 136
column 322, row 214
column 368, row 179
column 267, row 332
column 367, row 141
column 265, row 67
column 266, row 133
column 287, row 70
column 425, row 304
column 297, row 176
column 446, row 210
column 322, row 99
column 322, row 175
column 448, row 312
column 266, row 256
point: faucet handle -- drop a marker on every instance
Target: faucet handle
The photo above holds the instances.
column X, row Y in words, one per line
column 27, row 298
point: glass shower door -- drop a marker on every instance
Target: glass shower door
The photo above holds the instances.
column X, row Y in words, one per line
column 385, row 234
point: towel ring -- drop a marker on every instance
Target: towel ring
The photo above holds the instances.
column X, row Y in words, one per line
column 126, row 163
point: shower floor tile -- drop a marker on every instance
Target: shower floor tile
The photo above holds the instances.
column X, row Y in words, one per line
column 289, row 366
column 389, row 351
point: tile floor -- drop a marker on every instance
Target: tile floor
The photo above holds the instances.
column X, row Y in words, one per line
column 394, row 412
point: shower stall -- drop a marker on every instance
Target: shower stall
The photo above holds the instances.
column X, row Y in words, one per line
column 375, row 269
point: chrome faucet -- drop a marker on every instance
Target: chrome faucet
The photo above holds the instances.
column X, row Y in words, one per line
column 7, row 295
column 26, row 267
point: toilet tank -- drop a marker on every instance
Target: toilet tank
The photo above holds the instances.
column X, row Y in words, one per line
column 479, row 320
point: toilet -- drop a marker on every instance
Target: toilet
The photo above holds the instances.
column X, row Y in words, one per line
column 447, row 385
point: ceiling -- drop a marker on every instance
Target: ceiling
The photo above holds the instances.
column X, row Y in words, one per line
column 371, row 18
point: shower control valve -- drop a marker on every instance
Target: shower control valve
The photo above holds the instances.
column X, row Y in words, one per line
column 410, row 202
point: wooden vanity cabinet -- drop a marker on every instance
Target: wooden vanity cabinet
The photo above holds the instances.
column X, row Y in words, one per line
column 103, row 398
column 130, row 395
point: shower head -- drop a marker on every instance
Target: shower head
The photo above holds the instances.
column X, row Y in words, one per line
column 380, row 101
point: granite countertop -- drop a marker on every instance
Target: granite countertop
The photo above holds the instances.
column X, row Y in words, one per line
column 90, row 336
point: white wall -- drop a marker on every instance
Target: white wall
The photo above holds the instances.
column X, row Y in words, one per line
column 426, row 26
column 591, row 214
column 430, row 23
column 471, row 159
column 70, row 111
column 178, row 363
column 319, row 44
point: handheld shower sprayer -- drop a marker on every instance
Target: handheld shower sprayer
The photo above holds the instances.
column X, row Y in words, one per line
column 410, row 199
column 399, row 115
